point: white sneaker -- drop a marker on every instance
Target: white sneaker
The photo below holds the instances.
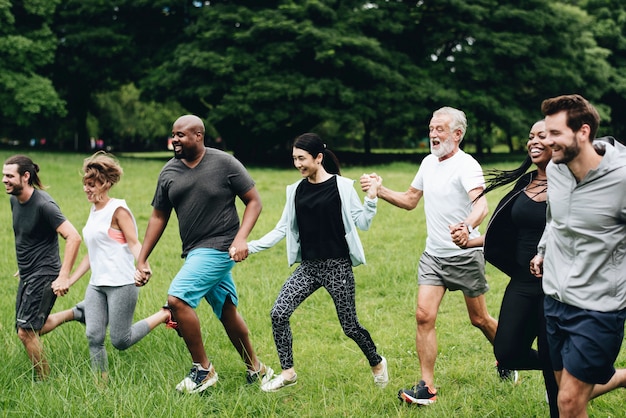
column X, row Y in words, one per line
column 382, row 378
column 197, row 380
column 279, row 382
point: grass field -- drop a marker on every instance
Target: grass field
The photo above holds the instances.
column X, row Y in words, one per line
column 334, row 377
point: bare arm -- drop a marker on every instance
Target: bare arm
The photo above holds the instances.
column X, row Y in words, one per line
column 156, row 226
column 239, row 248
column 460, row 232
column 406, row 200
column 72, row 245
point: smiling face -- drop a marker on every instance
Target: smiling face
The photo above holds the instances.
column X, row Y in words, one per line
column 305, row 163
column 187, row 137
column 94, row 190
column 14, row 183
column 561, row 139
column 443, row 141
column 539, row 153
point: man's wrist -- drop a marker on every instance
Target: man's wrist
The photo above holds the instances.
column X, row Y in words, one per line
column 469, row 227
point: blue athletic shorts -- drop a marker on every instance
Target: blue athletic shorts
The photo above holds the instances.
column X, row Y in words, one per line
column 584, row 342
column 205, row 274
column 462, row 272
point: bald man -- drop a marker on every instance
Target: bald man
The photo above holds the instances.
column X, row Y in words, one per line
column 201, row 184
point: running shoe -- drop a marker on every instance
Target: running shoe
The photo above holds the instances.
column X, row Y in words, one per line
column 197, row 380
column 507, row 375
column 419, row 394
column 264, row 374
column 278, row 383
column 382, row 378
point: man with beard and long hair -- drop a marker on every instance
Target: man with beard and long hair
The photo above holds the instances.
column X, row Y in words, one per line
column 451, row 182
column 581, row 257
column 201, row 184
column 37, row 223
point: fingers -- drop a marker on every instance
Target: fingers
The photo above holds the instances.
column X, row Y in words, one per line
column 238, row 255
column 142, row 276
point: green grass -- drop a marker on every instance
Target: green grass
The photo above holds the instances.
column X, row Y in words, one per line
column 334, row 377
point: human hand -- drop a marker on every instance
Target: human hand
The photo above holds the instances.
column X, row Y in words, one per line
column 238, row 250
column 143, row 273
column 61, row 286
column 459, row 234
column 536, row 266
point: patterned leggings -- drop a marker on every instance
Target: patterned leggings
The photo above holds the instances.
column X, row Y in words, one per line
column 336, row 276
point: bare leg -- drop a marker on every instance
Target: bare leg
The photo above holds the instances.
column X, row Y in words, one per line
column 478, row 314
column 34, row 349
column 573, row 396
column 618, row 380
column 56, row 319
column 158, row 318
column 428, row 300
column 189, row 326
column 237, row 331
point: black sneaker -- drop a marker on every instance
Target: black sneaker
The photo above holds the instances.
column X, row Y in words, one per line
column 419, row 394
column 507, row 375
column 263, row 375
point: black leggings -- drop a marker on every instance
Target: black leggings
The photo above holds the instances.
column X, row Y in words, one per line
column 336, row 276
column 521, row 321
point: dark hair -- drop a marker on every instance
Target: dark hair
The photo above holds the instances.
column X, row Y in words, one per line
column 25, row 164
column 314, row 145
column 579, row 112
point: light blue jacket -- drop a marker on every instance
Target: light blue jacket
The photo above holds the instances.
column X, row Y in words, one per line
column 353, row 213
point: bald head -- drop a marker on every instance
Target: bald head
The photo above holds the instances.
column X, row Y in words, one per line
column 190, row 123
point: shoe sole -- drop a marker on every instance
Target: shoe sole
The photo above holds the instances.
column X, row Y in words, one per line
column 279, row 388
column 411, row 400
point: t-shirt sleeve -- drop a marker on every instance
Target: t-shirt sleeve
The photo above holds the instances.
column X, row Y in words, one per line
column 239, row 178
column 52, row 214
column 474, row 177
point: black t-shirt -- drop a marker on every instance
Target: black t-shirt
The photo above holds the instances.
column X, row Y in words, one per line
column 318, row 213
column 36, row 240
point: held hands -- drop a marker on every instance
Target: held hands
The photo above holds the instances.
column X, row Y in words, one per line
column 61, row 286
column 371, row 183
column 238, row 250
column 459, row 234
column 143, row 273
column 536, row 266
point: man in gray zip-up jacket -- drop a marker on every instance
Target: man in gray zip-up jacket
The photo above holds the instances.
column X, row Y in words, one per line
column 583, row 254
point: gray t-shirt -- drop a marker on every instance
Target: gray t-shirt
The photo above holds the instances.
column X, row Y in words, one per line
column 36, row 240
column 204, row 198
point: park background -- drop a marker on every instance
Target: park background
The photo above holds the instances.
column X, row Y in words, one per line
column 366, row 76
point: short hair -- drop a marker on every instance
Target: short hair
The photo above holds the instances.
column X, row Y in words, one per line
column 458, row 119
column 578, row 112
column 102, row 168
column 25, row 164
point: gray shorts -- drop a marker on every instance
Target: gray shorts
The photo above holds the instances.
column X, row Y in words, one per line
column 462, row 272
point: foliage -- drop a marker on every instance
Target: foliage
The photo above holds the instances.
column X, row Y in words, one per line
column 27, row 46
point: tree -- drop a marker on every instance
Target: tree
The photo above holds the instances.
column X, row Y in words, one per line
column 27, row 47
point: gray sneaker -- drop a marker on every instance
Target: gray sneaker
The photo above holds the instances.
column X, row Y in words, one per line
column 264, row 375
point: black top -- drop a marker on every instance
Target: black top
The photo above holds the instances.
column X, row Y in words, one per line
column 318, row 213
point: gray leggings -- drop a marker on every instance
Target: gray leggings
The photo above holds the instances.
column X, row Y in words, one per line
column 114, row 306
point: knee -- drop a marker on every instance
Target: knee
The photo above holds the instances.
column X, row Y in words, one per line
column 25, row 336
column 175, row 304
column 569, row 403
column 425, row 318
column 278, row 316
column 120, row 343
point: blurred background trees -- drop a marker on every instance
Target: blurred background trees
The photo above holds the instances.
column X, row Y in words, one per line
column 364, row 74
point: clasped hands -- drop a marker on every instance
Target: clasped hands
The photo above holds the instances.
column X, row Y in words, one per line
column 370, row 183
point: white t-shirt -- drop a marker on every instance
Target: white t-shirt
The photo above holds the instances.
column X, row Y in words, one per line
column 446, row 202
column 112, row 263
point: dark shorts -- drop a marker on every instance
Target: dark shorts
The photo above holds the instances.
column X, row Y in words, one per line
column 462, row 272
column 34, row 302
column 584, row 342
